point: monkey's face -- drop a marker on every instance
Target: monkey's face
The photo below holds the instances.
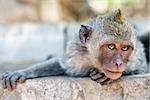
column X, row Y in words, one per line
column 108, row 53
column 114, row 56
column 108, row 42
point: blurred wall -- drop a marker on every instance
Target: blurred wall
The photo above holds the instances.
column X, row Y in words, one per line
column 67, row 10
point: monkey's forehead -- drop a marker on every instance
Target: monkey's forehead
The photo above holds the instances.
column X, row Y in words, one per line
column 123, row 42
column 119, row 30
column 105, row 37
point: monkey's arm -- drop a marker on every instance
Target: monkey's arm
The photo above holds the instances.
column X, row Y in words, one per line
column 51, row 67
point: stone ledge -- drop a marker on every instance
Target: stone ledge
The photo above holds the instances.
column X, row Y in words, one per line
column 66, row 88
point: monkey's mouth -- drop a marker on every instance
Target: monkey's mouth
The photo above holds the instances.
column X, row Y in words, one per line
column 113, row 71
column 112, row 74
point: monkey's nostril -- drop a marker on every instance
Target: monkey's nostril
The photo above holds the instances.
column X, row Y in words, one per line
column 118, row 62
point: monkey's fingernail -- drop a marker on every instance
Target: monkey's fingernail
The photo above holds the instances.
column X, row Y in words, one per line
column 22, row 80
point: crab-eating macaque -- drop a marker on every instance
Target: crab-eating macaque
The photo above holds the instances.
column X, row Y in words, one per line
column 104, row 49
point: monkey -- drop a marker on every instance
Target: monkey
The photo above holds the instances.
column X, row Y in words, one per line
column 104, row 49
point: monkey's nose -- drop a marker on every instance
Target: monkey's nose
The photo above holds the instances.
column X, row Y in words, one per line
column 118, row 62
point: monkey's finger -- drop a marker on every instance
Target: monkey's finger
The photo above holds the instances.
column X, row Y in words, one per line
column 107, row 81
column 100, row 80
column 4, row 75
column 3, row 78
column 8, row 83
column 94, row 73
column 3, row 82
column 92, row 69
column 97, row 76
column 13, row 84
column 13, row 80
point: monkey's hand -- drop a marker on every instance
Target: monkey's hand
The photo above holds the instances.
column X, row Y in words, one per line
column 9, row 80
column 99, row 77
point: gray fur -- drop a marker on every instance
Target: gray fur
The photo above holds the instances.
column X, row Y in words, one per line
column 47, row 68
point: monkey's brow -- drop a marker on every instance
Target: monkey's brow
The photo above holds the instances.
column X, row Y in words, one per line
column 124, row 42
column 127, row 43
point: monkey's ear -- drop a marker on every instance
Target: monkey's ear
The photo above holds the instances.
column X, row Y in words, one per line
column 84, row 33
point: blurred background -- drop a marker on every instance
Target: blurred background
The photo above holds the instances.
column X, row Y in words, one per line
column 32, row 30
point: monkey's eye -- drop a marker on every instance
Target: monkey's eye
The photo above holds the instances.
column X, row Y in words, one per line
column 111, row 46
column 125, row 48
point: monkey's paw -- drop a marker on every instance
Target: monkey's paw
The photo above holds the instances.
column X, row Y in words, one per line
column 99, row 77
column 9, row 80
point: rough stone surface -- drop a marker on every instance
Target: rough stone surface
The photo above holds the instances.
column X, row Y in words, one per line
column 66, row 88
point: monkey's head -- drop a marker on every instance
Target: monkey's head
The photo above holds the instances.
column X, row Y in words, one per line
column 110, row 41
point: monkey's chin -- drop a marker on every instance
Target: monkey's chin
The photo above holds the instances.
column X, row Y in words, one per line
column 112, row 75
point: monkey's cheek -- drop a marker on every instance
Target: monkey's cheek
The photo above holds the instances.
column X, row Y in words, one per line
column 112, row 75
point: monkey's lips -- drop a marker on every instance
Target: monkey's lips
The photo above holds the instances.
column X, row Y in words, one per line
column 112, row 75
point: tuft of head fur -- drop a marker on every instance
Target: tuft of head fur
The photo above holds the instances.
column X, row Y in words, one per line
column 118, row 16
